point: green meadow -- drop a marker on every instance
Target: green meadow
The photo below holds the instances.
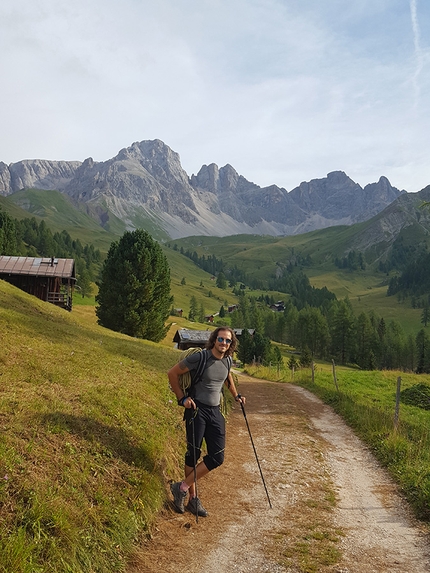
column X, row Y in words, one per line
column 259, row 257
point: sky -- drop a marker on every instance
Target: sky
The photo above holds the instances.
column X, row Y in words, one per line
column 285, row 91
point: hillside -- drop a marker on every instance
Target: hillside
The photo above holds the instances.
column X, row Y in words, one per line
column 59, row 213
column 82, row 469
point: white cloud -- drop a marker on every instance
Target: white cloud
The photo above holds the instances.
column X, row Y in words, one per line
column 283, row 90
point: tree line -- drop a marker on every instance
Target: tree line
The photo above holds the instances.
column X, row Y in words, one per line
column 354, row 261
column 334, row 331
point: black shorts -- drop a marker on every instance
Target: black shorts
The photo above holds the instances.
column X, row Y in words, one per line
column 205, row 422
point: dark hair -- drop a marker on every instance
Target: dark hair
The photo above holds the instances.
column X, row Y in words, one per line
column 214, row 335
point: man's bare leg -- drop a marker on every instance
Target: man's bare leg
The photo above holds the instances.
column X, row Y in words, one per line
column 201, row 471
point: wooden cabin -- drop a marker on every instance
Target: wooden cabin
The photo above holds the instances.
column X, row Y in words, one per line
column 185, row 338
column 49, row 279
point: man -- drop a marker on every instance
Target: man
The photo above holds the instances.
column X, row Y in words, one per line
column 203, row 416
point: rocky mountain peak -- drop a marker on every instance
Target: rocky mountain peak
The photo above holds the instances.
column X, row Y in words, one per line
column 147, row 179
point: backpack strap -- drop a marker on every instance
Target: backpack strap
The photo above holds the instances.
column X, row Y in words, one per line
column 203, row 360
column 229, row 363
column 197, row 375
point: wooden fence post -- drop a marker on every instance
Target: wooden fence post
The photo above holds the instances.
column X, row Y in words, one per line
column 397, row 409
column 313, row 372
column 334, row 375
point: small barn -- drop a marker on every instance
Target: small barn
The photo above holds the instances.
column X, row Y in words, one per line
column 49, row 279
column 185, row 338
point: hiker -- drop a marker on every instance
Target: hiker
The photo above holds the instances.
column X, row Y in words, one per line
column 202, row 416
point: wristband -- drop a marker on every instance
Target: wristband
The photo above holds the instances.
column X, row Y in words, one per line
column 237, row 397
column 182, row 400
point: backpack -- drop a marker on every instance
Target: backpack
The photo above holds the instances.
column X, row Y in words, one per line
column 188, row 380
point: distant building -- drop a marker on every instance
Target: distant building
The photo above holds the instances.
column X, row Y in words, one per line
column 185, row 338
column 49, row 279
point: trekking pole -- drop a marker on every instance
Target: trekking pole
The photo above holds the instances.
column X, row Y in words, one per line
column 195, row 463
column 255, row 452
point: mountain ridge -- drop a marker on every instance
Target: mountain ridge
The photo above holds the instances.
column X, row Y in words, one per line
column 146, row 182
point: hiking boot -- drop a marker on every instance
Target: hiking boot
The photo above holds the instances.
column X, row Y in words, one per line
column 178, row 496
column 196, row 507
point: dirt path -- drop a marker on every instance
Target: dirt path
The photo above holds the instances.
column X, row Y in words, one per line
column 334, row 509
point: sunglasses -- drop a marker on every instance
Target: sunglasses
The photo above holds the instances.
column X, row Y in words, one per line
column 226, row 340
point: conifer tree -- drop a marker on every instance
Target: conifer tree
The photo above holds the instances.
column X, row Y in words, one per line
column 245, row 351
column 134, row 291
column 193, row 308
column 8, row 237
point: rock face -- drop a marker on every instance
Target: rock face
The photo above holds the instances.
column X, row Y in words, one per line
column 36, row 173
column 147, row 177
column 405, row 213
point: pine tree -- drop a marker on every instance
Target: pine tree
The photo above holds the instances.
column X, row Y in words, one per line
column 134, row 291
column 221, row 281
column 202, row 313
column 343, row 332
column 276, row 357
column 245, row 351
column 192, row 315
column 305, row 357
column 423, row 352
column 262, row 348
column 425, row 315
column 8, row 236
column 84, row 282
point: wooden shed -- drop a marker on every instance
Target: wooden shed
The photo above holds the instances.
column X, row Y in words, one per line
column 185, row 338
column 49, row 279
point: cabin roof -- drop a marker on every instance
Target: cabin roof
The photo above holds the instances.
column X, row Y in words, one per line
column 38, row 266
column 185, row 335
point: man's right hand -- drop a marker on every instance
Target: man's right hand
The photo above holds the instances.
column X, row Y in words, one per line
column 189, row 403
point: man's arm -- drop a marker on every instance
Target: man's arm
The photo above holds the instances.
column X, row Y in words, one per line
column 232, row 387
column 173, row 376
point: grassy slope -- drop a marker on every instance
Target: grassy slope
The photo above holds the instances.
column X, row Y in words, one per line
column 59, row 213
column 182, row 267
column 89, row 437
column 260, row 256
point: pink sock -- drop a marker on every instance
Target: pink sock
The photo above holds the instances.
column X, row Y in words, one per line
column 183, row 486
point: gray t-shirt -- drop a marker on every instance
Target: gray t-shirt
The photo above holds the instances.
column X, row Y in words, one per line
column 208, row 390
